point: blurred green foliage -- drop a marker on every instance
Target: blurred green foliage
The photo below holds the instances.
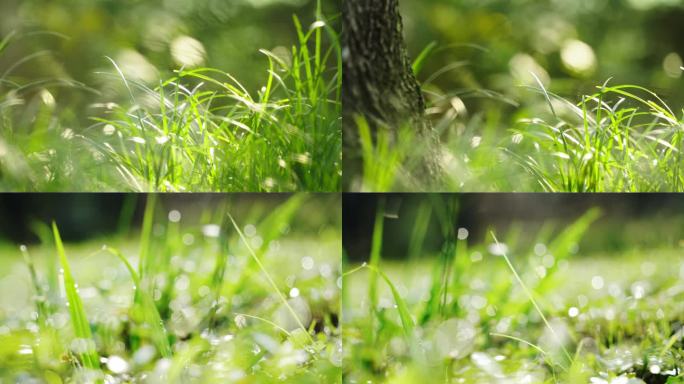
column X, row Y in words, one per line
column 79, row 34
column 572, row 45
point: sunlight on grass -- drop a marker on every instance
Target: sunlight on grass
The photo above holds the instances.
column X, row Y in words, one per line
column 200, row 130
column 181, row 318
column 503, row 312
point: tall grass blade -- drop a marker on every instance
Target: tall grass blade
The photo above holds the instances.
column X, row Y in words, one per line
column 529, row 295
column 273, row 284
column 88, row 355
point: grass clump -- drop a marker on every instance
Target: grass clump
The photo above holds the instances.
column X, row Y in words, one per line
column 507, row 311
column 197, row 309
column 622, row 138
column 199, row 130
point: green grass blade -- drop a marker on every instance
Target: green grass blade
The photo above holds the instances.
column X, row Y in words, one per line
column 407, row 322
column 529, row 295
column 273, row 284
column 146, row 235
column 88, row 355
column 424, row 54
column 148, row 307
column 376, row 251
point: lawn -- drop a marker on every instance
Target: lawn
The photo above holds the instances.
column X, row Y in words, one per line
column 523, row 308
column 189, row 296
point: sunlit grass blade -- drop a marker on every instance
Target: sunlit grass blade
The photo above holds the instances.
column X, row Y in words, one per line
column 88, row 354
column 268, row 277
column 407, row 322
column 529, row 295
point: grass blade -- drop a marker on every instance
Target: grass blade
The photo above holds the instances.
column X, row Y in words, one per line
column 270, row 279
column 88, row 354
column 529, row 295
column 149, row 309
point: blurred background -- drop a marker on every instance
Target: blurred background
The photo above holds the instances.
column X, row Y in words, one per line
column 88, row 216
column 147, row 38
column 571, row 45
column 626, row 222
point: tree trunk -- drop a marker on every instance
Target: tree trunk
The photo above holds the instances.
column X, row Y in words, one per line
column 379, row 84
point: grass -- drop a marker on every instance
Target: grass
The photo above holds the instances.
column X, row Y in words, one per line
column 198, row 310
column 521, row 309
column 620, row 138
column 200, row 130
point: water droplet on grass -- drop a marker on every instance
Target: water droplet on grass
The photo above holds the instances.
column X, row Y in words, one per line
column 162, row 139
column 294, row 292
column 138, row 140
column 250, row 230
column 211, row 230
column 188, row 239
column 487, row 364
column 498, row 249
column 108, row 129
column 144, row 354
column 174, row 216
column 25, row 350
column 47, row 98
column 462, row 234
column 638, row 290
column 318, row 24
column 597, row 282
column 307, row 263
column 116, row 364
column 240, row 321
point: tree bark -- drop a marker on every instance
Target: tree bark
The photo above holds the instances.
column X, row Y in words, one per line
column 379, row 84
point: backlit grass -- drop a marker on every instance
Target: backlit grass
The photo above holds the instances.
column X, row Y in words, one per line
column 620, row 138
column 199, row 130
column 202, row 298
column 507, row 310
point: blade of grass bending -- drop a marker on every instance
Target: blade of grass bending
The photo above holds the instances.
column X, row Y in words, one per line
column 270, row 228
column 269, row 322
column 546, row 94
column 270, row 280
column 528, row 293
column 404, row 315
column 545, row 354
column 150, row 312
column 89, row 357
column 424, row 54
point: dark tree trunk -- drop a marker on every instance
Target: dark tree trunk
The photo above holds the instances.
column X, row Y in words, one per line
column 379, row 84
